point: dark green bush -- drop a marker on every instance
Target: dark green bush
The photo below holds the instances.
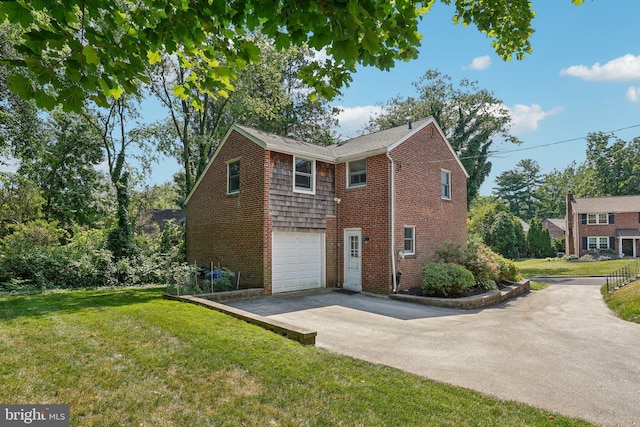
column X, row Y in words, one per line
column 445, row 279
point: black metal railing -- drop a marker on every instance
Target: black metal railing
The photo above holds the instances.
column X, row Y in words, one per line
column 623, row 276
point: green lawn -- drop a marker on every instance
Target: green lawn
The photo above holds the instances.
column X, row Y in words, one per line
column 625, row 302
column 128, row 357
column 558, row 267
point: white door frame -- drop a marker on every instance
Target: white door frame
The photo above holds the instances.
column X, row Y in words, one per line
column 352, row 259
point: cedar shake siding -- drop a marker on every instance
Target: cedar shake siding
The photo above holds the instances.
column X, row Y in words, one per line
column 236, row 230
column 419, row 204
column 292, row 211
column 230, row 230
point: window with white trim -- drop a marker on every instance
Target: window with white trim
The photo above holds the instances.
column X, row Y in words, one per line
column 445, row 184
column 233, row 177
column 409, row 240
column 357, row 173
column 304, row 175
column 601, row 218
column 598, row 242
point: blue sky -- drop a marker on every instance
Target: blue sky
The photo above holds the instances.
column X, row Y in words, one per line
column 583, row 76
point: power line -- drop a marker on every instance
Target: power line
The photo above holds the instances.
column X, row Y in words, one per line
column 514, row 150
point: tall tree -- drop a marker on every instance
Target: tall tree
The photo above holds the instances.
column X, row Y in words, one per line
column 470, row 118
column 102, row 46
column 491, row 220
column 268, row 96
column 119, row 137
column 19, row 121
column 616, row 164
column 62, row 160
column 517, row 188
column 20, row 201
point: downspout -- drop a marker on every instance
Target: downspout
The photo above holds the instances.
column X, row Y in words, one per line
column 393, row 221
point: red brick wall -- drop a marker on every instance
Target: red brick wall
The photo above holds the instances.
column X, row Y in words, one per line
column 368, row 208
column 331, row 250
column 419, row 161
column 626, row 221
column 231, row 229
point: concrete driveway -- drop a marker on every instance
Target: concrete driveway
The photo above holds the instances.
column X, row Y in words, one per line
column 559, row 349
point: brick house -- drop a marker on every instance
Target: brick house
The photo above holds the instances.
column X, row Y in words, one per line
column 556, row 227
column 603, row 223
column 289, row 215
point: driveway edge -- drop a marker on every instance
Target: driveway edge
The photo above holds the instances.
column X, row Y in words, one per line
column 468, row 303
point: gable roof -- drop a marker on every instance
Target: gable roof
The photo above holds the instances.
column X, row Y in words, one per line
column 558, row 222
column 612, row 204
column 362, row 146
column 283, row 144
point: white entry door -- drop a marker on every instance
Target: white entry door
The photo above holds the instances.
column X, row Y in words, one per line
column 353, row 260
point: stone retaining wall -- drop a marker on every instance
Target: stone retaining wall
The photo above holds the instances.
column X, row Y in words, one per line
column 467, row 303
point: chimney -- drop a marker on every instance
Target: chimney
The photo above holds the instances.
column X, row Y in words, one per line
column 570, row 244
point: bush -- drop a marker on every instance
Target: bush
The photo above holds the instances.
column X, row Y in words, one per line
column 487, row 285
column 485, row 265
column 32, row 258
column 508, row 270
column 445, row 279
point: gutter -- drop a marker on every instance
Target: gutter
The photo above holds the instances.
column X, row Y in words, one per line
column 393, row 220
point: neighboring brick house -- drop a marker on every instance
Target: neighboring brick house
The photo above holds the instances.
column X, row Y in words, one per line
column 603, row 223
column 289, row 215
column 556, row 227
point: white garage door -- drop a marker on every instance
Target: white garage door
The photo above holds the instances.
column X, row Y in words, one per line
column 298, row 261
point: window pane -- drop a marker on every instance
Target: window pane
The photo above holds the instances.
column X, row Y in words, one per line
column 358, row 173
column 409, row 240
column 303, row 181
column 604, row 243
column 303, row 166
column 445, row 184
column 234, row 177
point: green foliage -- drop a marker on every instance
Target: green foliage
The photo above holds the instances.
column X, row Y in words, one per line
column 37, row 256
column 538, row 241
column 517, row 188
column 470, row 117
column 491, row 221
column 222, row 282
column 20, row 201
column 268, row 95
column 486, row 266
column 445, row 279
column 101, row 49
column 558, row 244
column 61, row 160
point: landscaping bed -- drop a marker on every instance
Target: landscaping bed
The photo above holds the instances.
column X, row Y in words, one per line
column 468, row 302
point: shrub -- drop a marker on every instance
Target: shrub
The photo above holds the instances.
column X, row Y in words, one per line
column 445, row 279
column 487, row 285
column 452, row 253
column 508, row 270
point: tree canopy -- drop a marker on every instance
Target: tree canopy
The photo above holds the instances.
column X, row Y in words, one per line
column 470, row 117
column 101, row 48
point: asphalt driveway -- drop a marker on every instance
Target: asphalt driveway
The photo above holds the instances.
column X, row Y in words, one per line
column 559, row 349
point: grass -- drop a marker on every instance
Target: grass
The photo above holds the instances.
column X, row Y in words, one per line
column 537, row 286
column 558, row 267
column 128, row 357
column 625, row 302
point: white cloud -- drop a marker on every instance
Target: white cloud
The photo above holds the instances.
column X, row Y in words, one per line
column 623, row 69
column 352, row 120
column 525, row 118
column 480, row 63
column 633, row 94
